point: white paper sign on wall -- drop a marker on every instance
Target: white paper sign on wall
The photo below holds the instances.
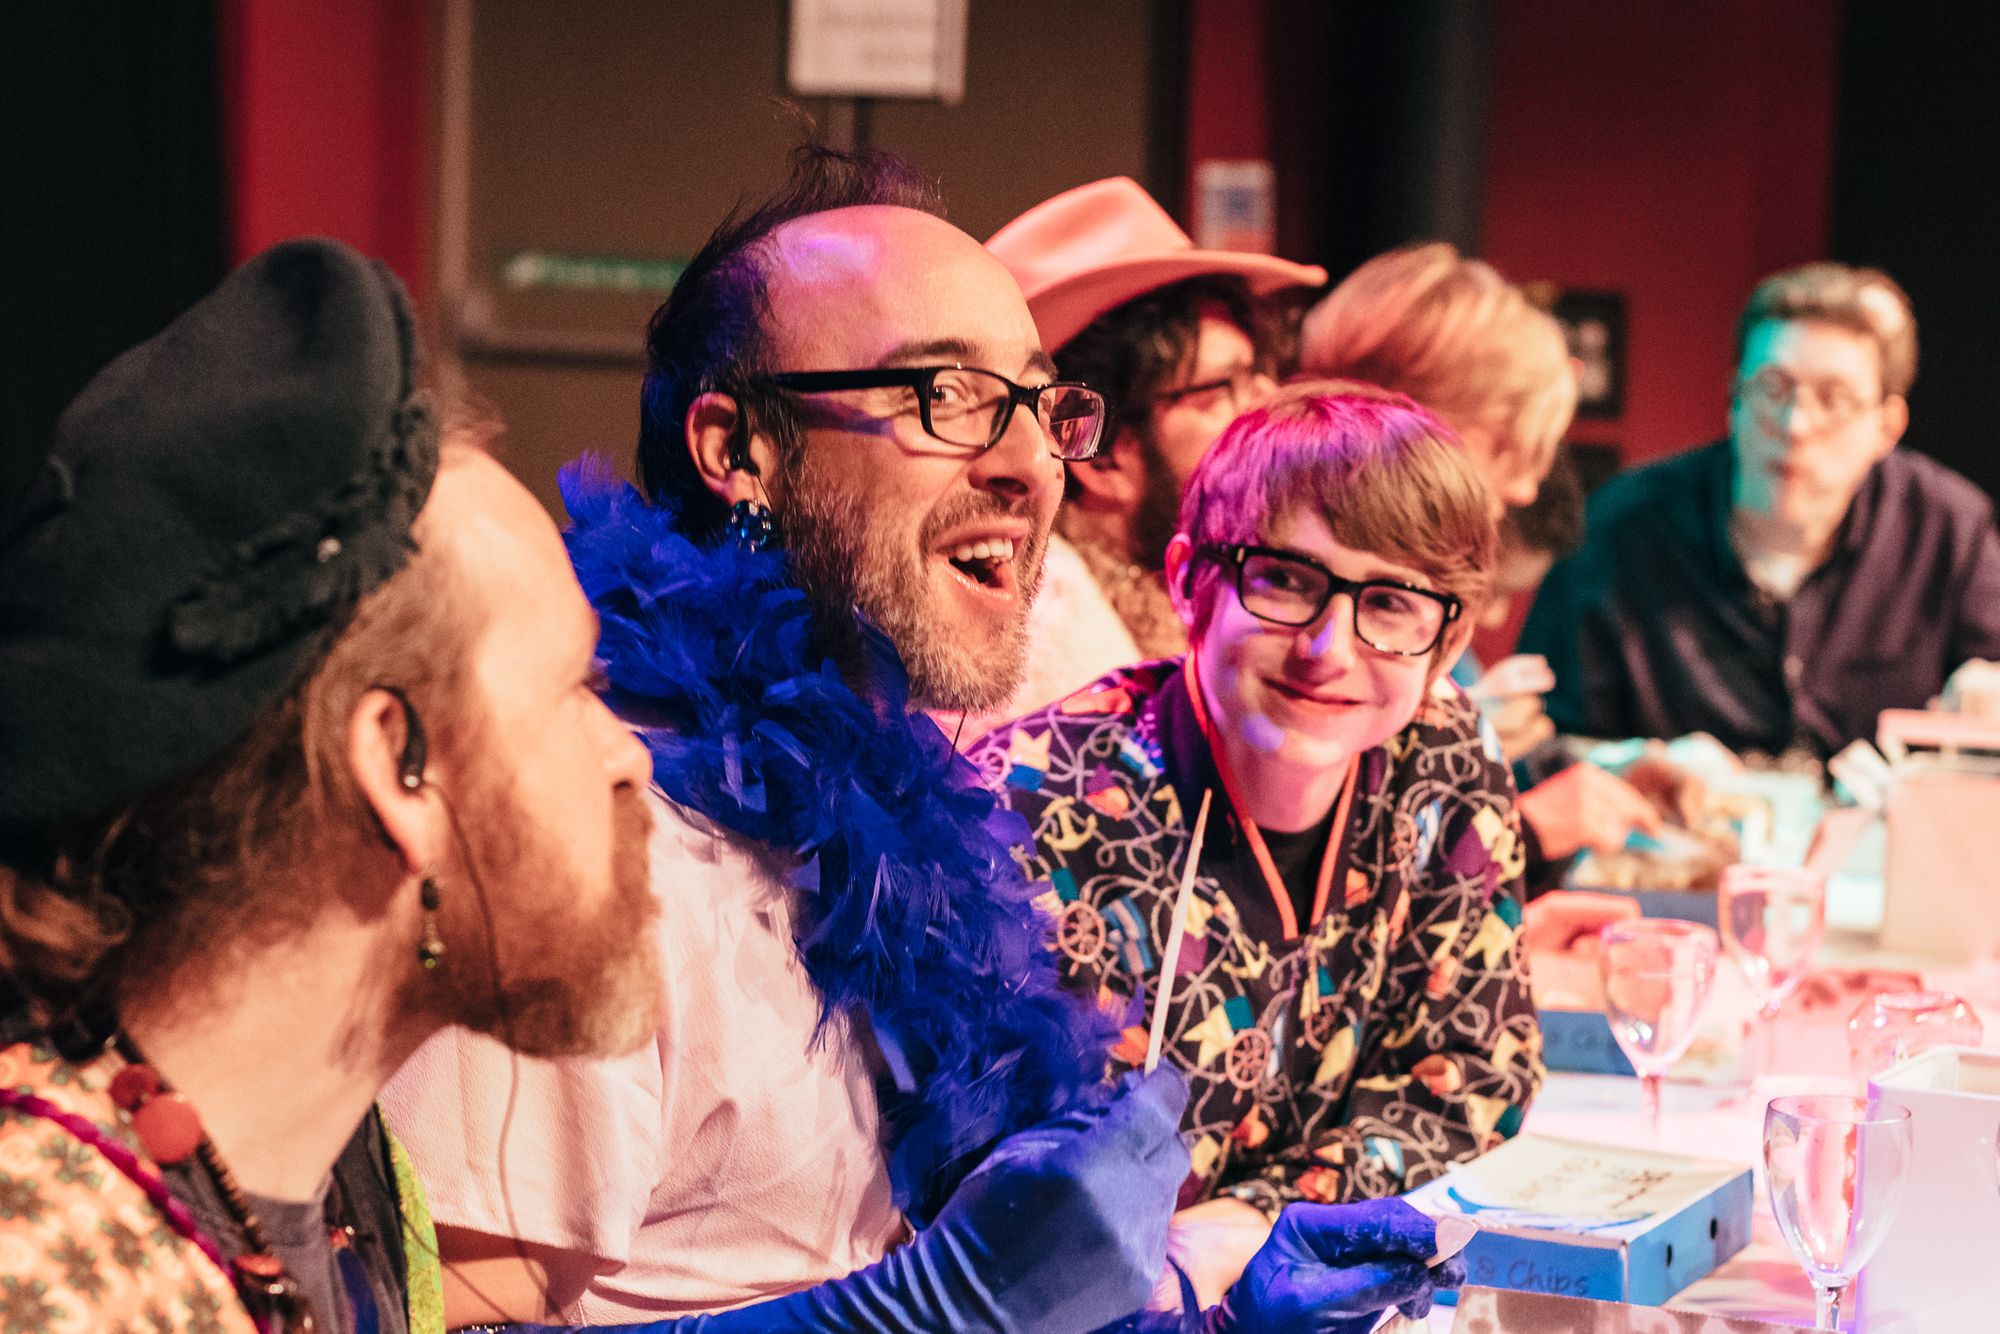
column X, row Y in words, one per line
column 878, row 48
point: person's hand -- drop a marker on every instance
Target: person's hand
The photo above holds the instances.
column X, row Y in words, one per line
column 1509, row 695
column 1334, row 1268
column 1509, row 678
column 1212, row 1242
column 1520, row 724
column 1974, row 688
column 1677, row 792
column 1569, row 919
column 1064, row 1226
column 1585, row 807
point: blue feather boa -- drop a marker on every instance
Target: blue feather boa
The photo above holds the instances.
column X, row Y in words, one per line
column 915, row 921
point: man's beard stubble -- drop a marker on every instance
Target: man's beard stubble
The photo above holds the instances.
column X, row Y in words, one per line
column 552, row 983
column 842, row 562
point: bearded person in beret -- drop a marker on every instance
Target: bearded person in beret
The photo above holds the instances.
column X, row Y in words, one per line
column 299, row 763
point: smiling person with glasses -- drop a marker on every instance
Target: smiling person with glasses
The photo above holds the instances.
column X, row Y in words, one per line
column 1780, row 588
column 1348, row 1004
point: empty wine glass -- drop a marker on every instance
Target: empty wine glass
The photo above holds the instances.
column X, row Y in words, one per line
column 1772, row 918
column 1656, row 977
column 1836, row 1167
column 1895, row 1025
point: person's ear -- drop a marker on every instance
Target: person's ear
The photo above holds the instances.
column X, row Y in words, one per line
column 729, row 455
column 1457, row 639
column 1895, row 421
column 1113, row 482
column 385, row 751
column 1180, row 578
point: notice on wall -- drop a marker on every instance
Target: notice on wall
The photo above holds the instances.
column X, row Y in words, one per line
column 878, row 48
column 1235, row 205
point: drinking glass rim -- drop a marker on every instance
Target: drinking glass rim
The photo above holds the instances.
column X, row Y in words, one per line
column 1884, row 1112
column 1920, row 998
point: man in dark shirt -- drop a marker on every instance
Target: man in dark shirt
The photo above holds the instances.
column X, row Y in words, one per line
column 1781, row 588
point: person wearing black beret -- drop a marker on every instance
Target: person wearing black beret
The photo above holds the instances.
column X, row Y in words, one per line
column 299, row 762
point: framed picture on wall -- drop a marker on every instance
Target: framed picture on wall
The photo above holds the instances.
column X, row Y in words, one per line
column 1594, row 325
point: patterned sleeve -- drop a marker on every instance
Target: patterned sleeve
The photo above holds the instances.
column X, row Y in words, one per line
column 1453, row 1057
column 83, row 1251
column 1014, row 761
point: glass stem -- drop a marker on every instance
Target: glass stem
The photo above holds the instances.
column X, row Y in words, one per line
column 1767, row 1040
column 1649, row 1094
column 1826, row 1314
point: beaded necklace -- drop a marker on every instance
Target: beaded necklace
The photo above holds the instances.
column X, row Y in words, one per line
column 171, row 1132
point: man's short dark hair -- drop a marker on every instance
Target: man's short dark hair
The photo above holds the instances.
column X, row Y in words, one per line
column 1135, row 351
column 709, row 335
column 1553, row 522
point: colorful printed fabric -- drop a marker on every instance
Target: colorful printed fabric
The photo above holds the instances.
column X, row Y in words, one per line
column 420, row 1245
column 82, row 1250
column 1390, row 1040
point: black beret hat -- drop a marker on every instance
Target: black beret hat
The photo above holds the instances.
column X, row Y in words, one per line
column 210, row 510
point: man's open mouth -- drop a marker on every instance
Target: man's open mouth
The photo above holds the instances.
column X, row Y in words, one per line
column 988, row 562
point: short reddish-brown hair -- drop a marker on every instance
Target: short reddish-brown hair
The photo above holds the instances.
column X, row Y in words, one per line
column 1386, row 476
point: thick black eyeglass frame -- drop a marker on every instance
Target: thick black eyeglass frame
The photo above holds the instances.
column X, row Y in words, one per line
column 1238, row 554
column 920, row 378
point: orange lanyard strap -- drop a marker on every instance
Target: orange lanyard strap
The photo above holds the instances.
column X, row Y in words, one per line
column 1281, row 898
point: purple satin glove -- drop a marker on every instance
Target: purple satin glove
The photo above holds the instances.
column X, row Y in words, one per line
column 1334, row 1268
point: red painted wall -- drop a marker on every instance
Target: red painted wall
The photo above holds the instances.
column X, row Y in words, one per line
column 328, row 125
column 1676, row 153
column 1226, row 112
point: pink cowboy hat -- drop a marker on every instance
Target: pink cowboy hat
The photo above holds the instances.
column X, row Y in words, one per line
column 1096, row 247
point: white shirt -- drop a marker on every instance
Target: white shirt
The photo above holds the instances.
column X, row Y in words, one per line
column 730, row 1160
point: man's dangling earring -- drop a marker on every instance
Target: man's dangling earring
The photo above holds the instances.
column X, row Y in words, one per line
column 750, row 525
column 430, row 946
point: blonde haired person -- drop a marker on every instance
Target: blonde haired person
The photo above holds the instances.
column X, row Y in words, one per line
column 1455, row 335
column 1463, row 341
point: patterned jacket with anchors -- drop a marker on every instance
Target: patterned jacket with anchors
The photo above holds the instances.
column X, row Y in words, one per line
column 1389, row 1039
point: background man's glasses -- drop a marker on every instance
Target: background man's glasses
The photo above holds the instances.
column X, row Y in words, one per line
column 1831, row 404
column 964, row 406
column 1286, row 588
column 1242, row 386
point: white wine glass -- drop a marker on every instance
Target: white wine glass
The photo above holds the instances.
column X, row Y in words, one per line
column 1836, row 1167
column 1893, row 1026
column 1657, row 975
column 1773, row 919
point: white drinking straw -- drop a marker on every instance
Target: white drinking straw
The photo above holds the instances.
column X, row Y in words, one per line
column 1170, row 960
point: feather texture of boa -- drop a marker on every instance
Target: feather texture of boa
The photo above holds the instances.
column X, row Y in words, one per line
column 915, row 923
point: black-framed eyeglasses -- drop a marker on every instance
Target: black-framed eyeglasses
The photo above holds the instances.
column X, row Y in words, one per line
column 962, row 405
column 1290, row 589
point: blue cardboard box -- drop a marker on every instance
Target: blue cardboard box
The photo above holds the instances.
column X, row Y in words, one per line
column 1686, row 905
column 1601, row 1221
column 1580, row 1041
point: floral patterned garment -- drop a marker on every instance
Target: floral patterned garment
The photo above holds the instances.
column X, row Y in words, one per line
column 82, row 1250
column 1390, row 1039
